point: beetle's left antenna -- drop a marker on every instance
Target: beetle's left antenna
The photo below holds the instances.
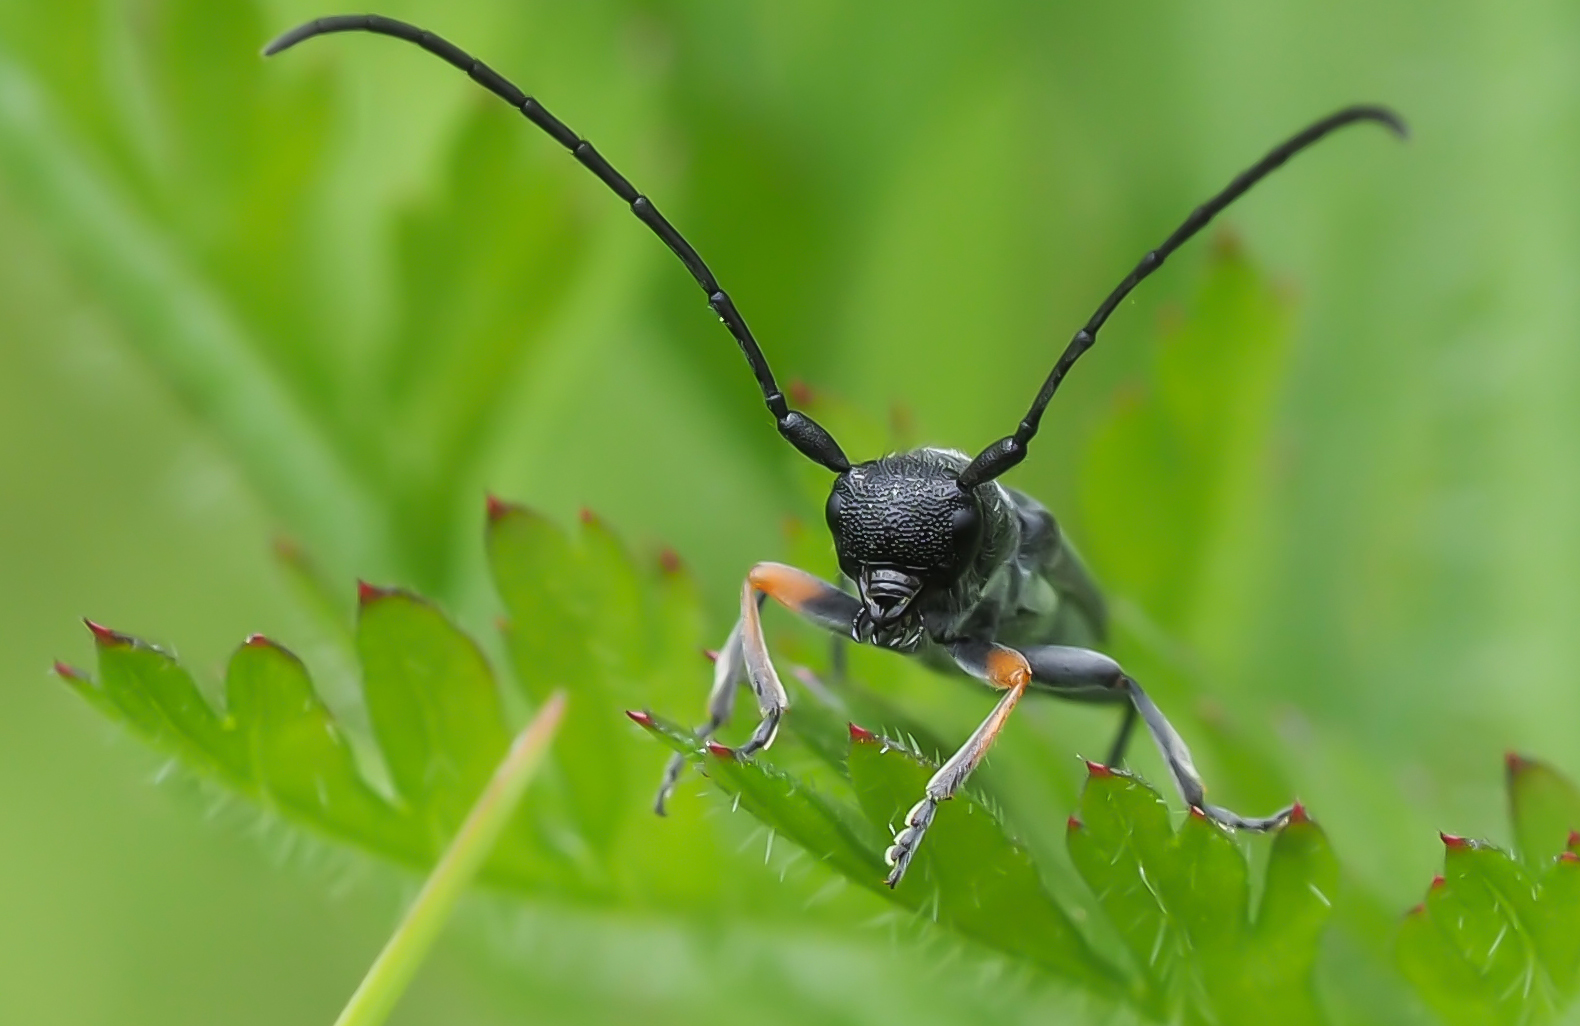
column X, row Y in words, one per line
column 1007, row 452
column 800, row 430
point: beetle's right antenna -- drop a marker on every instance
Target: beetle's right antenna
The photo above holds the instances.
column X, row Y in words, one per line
column 1007, row 452
column 800, row 430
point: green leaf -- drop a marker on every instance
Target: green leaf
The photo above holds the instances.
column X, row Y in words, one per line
column 1181, row 904
column 1177, row 476
column 1498, row 940
column 1118, row 841
column 1492, row 942
column 781, row 803
column 575, row 620
column 432, row 702
column 968, row 874
column 146, row 687
column 299, row 757
column 1300, row 889
column 1545, row 808
column 184, row 325
column 433, row 705
column 278, row 744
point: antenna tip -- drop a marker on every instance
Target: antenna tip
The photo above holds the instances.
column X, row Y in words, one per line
column 1390, row 118
column 286, row 40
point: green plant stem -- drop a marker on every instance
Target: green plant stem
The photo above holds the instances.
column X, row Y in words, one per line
column 387, row 980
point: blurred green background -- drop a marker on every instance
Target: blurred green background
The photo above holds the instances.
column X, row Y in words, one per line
column 339, row 296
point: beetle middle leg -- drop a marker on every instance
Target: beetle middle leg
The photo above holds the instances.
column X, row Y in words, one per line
column 745, row 655
column 1083, row 673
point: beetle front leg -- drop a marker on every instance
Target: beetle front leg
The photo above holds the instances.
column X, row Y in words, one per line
column 807, row 596
column 728, row 669
column 1001, row 668
column 1080, row 671
column 745, row 654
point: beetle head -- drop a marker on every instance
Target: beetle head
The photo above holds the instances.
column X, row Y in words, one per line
column 902, row 528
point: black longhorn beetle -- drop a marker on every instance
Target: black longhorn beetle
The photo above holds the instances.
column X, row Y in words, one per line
column 948, row 564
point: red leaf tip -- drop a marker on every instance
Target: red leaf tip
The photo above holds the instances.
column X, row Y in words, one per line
column 67, row 672
column 368, row 593
column 1298, row 814
column 862, row 735
column 640, row 717
column 257, row 641
column 1437, row 881
column 497, row 507
column 1454, row 841
column 1515, row 762
column 587, row 516
column 801, row 393
column 719, row 751
column 1097, row 769
column 1417, row 910
column 105, row 636
column 669, row 561
column 1563, row 856
column 1073, row 823
column 1197, row 812
column 1574, row 840
column 711, row 654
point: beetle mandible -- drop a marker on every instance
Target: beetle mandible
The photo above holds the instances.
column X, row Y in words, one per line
column 948, row 564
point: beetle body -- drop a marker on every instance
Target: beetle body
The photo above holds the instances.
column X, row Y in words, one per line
column 933, row 565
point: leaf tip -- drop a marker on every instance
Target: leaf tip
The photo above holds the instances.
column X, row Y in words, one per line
column 1417, row 911
column 802, row 393
column 711, row 654
column 669, row 561
column 1197, row 812
column 367, row 594
column 1563, row 856
column 1297, row 814
column 861, row 735
column 1073, row 824
column 719, row 751
column 1437, row 882
column 106, row 637
column 496, row 507
column 68, row 673
column 1573, row 843
column 1515, row 763
column 1097, row 769
column 588, row 517
column 1453, row 842
column 640, row 717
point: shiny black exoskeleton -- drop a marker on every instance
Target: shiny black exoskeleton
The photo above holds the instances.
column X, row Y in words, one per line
column 948, row 564
column 935, row 562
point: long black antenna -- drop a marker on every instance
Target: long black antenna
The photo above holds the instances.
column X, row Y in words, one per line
column 800, row 430
column 1006, row 452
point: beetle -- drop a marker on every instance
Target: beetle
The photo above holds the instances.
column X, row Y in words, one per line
column 948, row 565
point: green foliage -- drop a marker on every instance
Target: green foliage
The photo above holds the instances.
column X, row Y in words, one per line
column 1495, row 941
column 438, row 723
column 373, row 294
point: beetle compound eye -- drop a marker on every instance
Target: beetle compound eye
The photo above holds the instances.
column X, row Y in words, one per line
column 965, row 525
column 833, row 510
